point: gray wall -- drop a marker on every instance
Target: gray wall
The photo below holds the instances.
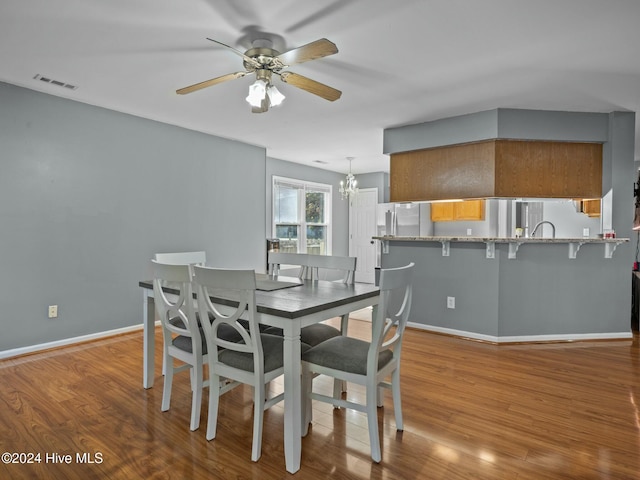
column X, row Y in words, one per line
column 568, row 222
column 88, row 195
column 542, row 291
column 499, row 123
column 379, row 180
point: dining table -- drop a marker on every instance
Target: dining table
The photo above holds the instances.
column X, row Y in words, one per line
column 290, row 304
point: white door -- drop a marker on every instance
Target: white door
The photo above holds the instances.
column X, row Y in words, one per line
column 362, row 227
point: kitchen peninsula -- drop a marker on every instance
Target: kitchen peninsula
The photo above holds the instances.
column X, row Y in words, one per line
column 514, row 244
column 546, row 292
column 502, row 289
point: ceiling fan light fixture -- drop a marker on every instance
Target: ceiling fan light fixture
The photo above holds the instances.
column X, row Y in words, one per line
column 275, row 96
column 257, row 92
column 263, row 61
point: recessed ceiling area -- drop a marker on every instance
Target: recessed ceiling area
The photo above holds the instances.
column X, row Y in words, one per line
column 398, row 63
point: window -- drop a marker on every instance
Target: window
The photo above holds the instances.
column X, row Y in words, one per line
column 302, row 216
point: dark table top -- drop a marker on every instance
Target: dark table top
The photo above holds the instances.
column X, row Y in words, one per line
column 307, row 298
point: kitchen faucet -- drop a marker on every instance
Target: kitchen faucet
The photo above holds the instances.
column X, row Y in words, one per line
column 553, row 228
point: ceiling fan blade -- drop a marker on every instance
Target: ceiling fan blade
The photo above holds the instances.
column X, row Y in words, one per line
column 311, row 86
column 209, row 83
column 249, row 60
column 310, row 51
column 326, row 11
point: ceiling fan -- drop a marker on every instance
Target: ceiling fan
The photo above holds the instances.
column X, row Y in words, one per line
column 264, row 61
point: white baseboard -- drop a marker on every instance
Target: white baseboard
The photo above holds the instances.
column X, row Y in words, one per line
column 64, row 342
column 525, row 338
column 449, row 331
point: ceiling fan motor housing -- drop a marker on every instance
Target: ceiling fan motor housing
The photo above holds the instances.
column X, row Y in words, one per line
column 265, row 57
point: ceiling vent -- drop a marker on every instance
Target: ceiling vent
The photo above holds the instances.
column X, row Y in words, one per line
column 55, row 82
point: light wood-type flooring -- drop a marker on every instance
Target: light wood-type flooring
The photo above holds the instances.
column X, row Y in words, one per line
column 471, row 411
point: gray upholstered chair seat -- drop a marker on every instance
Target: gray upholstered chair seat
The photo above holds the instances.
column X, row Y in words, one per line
column 225, row 332
column 317, row 333
column 177, row 322
column 272, row 348
column 346, row 354
column 184, row 343
column 261, row 327
column 312, row 335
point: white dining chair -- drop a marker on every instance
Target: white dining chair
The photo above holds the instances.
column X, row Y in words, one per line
column 322, row 267
column 276, row 261
column 181, row 258
column 182, row 337
column 310, row 268
column 255, row 360
column 318, row 268
column 366, row 363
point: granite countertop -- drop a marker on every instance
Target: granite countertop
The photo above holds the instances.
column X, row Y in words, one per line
column 463, row 238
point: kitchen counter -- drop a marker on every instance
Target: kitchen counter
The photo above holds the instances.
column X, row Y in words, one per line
column 574, row 244
column 476, row 287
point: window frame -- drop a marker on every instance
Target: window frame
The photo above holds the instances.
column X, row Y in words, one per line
column 304, row 186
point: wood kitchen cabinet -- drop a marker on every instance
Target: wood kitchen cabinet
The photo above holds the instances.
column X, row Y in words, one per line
column 457, row 211
column 497, row 169
column 442, row 211
column 591, row 208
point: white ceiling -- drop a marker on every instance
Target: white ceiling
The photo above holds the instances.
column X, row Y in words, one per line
column 399, row 63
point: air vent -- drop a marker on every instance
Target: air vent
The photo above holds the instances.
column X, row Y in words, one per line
column 55, row 82
column 321, row 162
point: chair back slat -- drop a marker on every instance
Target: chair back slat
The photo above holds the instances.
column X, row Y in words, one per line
column 275, row 260
column 333, row 262
column 235, row 291
column 173, row 306
column 392, row 312
column 312, row 265
column 182, row 258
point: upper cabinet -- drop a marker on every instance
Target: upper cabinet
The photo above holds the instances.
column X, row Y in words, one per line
column 456, row 211
column 498, row 168
column 591, row 208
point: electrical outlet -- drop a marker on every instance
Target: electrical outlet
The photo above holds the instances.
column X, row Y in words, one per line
column 585, row 232
column 469, row 231
column 451, row 302
column 53, row 311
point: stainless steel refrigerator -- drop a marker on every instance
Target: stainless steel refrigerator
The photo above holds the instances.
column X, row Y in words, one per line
column 403, row 220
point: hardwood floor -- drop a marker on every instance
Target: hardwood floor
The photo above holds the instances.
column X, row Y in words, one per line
column 471, row 410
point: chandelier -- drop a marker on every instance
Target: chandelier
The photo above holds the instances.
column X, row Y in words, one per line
column 349, row 188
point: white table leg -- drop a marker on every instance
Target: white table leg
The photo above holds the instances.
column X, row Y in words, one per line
column 148, row 335
column 292, row 399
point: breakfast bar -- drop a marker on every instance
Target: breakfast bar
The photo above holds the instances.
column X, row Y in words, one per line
column 513, row 290
column 610, row 244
